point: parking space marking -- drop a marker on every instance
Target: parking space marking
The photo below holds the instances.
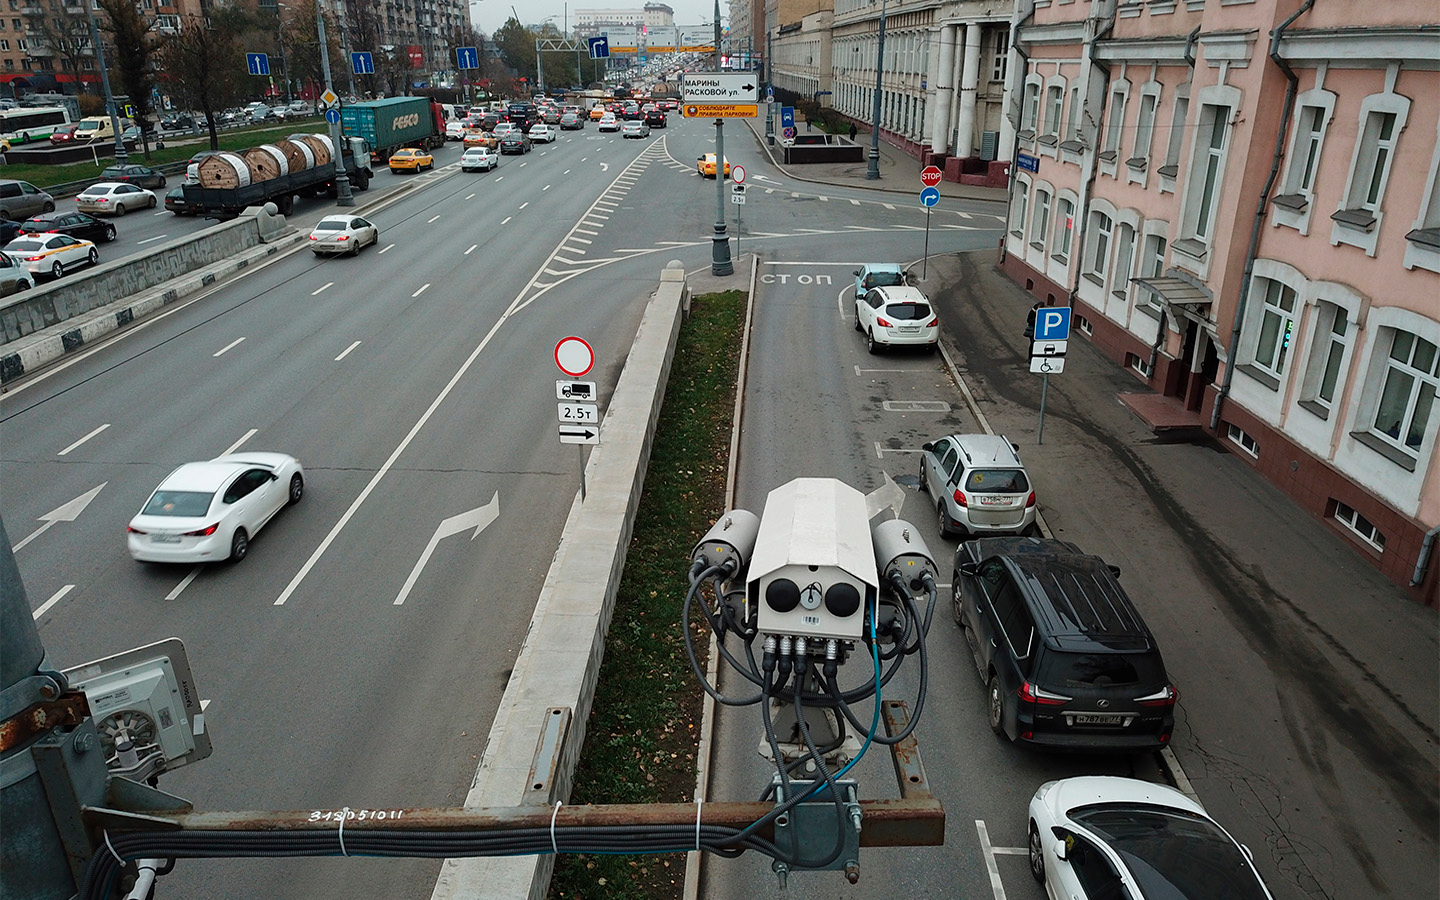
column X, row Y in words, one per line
column 54, row 599
column 935, row 406
column 83, row 439
column 166, row 212
column 230, row 346
column 243, row 438
column 995, row 885
column 184, row 582
column 324, row 286
column 859, row 370
column 346, row 352
column 881, row 451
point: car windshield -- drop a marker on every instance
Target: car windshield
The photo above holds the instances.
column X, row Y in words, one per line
column 908, row 312
column 178, row 503
column 1175, row 854
column 997, row 481
column 1100, row 670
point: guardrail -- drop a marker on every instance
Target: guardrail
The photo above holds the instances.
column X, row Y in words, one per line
column 71, row 188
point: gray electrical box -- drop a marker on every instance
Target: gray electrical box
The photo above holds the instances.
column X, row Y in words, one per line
column 989, row 145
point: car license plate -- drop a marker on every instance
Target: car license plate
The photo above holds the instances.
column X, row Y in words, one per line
column 984, row 500
column 909, row 329
column 1098, row 719
column 165, row 538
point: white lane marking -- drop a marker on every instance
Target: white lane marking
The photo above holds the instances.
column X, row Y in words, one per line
column 825, row 199
column 184, row 582
column 586, row 159
column 522, row 165
column 525, row 204
column 566, row 249
column 83, row 439
column 158, row 237
column 504, row 221
column 886, row 205
column 595, row 215
column 815, row 263
column 432, row 218
column 579, row 240
column 422, row 290
column 166, row 212
column 917, row 406
column 545, row 188
column 472, row 246
column 346, row 352
column 858, row 370
column 852, row 202
column 230, row 346
column 985, row 848
column 963, row 215
column 566, row 172
column 54, row 599
column 243, row 438
column 498, row 178
column 467, row 196
column 387, row 247
column 326, row 284
column 585, row 230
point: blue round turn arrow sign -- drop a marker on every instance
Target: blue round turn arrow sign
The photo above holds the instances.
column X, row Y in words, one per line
column 930, row 196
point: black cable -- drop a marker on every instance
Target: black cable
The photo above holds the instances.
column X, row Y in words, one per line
column 690, row 646
column 801, row 671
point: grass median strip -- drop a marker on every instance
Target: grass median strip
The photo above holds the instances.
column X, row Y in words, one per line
column 642, row 736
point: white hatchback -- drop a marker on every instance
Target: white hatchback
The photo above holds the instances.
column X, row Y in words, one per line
column 896, row 316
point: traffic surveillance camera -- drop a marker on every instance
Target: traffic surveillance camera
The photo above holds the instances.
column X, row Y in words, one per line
column 813, row 570
column 145, row 702
column 899, row 549
column 731, row 540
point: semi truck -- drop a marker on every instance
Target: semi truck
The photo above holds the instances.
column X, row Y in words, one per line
column 283, row 189
column 394, row 123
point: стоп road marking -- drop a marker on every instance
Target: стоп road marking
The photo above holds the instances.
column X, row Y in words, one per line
column 54, row 599
column 236, row 446
column 83, row 439
column 346, row 352
column 229, row 346
column 321, row 287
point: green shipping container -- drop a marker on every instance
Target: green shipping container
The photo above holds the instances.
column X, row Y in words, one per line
column 389, row 124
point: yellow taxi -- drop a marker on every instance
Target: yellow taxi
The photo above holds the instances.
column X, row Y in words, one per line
column 596, row 112
column 706, row 165
column 481, row 139
column 413, row 160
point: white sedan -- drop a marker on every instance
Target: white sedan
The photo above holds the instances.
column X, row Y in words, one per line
column 608, row 122
column 1101, row 836
column 343, row 234
column 476, row 158
column 114, row 197
column 210, row 511
column 543, row 133
column 52, row 254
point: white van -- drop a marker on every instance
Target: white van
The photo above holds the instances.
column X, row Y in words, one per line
column 97, row 128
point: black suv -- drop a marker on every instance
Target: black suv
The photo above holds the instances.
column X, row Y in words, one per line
column 1066, row 659
column 655, row 118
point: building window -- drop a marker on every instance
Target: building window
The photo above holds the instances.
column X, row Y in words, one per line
column 1064, row 228
column 1041, row 222
column 1362, row 527
column 1017, row 218
column 1144, row 128
column 1407, row 392
column 1075, row 119
column 1152, row 264
column 1306, row 159
column 1242, row 438
column 1031, row 115
column 1101, row 227
column 1372, row 163
column 5, row 45
column 1002, row 55
column 1116, row 123
column 1139, row 364
column 1124, row 258
column 1054, row 105
column 1277, row 321
column 1327, row 355
column 1213, row 161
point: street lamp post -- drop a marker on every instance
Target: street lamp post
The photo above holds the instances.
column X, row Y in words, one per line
column 872, row 171
column 280, row 45
column 720, row 263
column 121, row 156
column 343, row 197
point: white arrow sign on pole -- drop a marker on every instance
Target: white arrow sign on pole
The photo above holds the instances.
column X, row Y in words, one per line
column 478, row 518
column 67, row 513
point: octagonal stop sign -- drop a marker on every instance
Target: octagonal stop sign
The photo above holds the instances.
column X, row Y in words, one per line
column 930, row 176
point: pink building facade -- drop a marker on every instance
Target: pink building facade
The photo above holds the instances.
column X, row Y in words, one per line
column 1240, row 201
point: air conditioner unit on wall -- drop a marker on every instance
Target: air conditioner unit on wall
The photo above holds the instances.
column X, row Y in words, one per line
column 989, row 145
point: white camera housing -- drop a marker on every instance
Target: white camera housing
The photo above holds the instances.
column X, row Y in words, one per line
column 149, row 696
column 813, row 570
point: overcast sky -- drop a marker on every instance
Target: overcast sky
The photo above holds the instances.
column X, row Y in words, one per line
column 489, row 15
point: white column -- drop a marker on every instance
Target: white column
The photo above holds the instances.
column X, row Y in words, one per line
column 1010, row 104
column 944, row 91
column 969, row 80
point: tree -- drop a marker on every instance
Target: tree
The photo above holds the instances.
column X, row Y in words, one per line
column 66, row 34
column 204, row 66
column 133, row 45
column 302, row 46
column 517, row 48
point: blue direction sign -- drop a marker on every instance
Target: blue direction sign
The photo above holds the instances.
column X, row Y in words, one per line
column 787, row 117
column 1052, row 323
column 1027, row 162
column 929, row 196
column 332, row 116
column 257, row 64
column 467, row 57
column 362, row 63
column 599, row 47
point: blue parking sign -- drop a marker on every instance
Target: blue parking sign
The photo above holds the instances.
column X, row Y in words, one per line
column 1052, row 323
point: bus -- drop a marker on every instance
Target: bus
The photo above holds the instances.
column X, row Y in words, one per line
column 20, row 126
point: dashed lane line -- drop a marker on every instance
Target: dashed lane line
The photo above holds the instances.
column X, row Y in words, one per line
column 87, row 437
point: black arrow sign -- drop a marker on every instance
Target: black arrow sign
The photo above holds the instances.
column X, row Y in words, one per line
column 748, row 87
column 583, row 433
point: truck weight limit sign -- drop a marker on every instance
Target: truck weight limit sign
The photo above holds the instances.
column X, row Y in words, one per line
column 574, row 356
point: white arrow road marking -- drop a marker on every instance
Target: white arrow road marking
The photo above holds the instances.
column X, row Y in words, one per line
column 69, row 512
column 54, row 599
column 478, row 518
column 604, row 167
column 88, row 436
column 764, row 178
column 888, row 496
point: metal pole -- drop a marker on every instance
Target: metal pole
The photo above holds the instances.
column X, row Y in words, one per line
column 581, row 448
column 769, row 84
column 343, row 197
column 720, row 250
column 121, row 156
column 739, row 208
column 872, row 172
column 1044, row 389
column 539, row 69
column 925, row 260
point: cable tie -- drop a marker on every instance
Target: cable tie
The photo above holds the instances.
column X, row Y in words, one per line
column 699, row 805
column 112, row 848
column 553, row 848
column 344, row 814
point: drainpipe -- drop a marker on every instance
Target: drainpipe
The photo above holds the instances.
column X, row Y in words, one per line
column 1190, row 40
column 1159, row 340
column 1016, row 23
column 1292, row 87
column 1083, row 207
column 1423, row 561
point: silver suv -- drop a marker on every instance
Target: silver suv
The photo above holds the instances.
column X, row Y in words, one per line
column 979, row 485
column 21, row 200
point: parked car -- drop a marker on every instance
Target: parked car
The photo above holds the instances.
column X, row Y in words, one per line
column 542, row 133
column 343, row 234
column 979, row 485
column 1096, row 837
column 75, row 224
column 210, row 511
column 21, row 199
column 873, row 275
column 635, row 128
column 1067, row 661
column 114, row 197
column 476, row 158
column 14, row 277
column 142, row 175
column 178, row 122
column 52, row 254
column 411, row 160
column 897, row 317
